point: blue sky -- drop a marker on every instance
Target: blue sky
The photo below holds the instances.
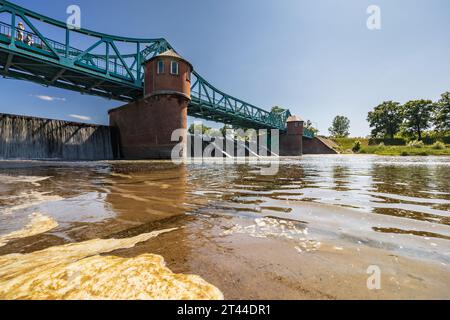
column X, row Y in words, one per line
column 315, row 57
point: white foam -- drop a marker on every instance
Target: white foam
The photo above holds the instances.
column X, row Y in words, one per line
column 29, row 199
column 34, row 180
column 277, row 228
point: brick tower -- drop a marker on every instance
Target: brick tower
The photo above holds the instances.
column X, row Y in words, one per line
column 145, row 126
column 291, row 142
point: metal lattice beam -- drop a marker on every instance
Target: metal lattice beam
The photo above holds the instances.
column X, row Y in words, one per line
column 112, row 74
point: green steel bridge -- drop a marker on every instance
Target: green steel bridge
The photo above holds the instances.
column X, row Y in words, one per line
column 110, row 67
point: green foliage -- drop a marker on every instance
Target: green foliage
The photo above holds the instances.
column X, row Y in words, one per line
column 388, row 142
column 416, row 144
column 386, row 119
column 340, row 127
column 225, row 129
column 356, row 146
column 441, row 118
column 278, row 109
column 438, row 145
column 411, row 120
column 213, row 132
column 431, row 139
column 346, row 144
column 194, row 128
column 418, row 116
column 309, row 125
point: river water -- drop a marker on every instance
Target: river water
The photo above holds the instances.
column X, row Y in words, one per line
column 145, row 230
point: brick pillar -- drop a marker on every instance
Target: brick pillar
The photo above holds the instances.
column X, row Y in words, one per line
column 291, row 142
column 145, row 126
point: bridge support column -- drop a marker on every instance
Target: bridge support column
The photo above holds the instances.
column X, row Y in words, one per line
column 145, row 126
column 291, row 142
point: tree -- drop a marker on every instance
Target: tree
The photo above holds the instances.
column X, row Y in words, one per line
column 441, row 119
column 277, row 109
column 340, row 127
column 225, row 129
column 309, row 125
column 418, row 115
column 386, row 119
column 198, row 128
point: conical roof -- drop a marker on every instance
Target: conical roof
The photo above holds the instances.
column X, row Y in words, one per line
column 294, row 119
column 171, row 54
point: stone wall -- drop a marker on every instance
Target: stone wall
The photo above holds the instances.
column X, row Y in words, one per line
column 318, row 145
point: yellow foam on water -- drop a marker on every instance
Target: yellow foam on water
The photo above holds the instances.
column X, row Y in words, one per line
column 78, row 271
column 39, row 224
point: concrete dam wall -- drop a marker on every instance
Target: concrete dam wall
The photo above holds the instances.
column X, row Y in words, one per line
column 36, row 138
column 30, row 138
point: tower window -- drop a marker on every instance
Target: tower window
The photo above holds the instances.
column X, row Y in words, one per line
column 160, row 66
column 174, row 67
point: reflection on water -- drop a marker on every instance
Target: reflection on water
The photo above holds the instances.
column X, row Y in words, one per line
column 39, row 224
column 399, row 204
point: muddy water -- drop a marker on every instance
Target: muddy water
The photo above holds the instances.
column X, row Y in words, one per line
column 154, row 230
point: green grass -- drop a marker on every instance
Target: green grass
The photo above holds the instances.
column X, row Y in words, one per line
column 405, row 151
column 346, row 145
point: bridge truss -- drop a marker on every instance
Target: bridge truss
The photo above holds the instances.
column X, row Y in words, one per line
column 109, row 67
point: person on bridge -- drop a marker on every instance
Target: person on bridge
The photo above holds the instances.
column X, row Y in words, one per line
column 29, row 41
column 20, row 31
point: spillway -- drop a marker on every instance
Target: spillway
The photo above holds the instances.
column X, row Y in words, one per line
column 24, row 137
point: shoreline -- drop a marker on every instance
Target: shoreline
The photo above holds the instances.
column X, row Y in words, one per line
column 348, row 146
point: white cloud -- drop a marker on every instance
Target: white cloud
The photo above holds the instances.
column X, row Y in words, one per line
column 80, row 117
column 48, row 98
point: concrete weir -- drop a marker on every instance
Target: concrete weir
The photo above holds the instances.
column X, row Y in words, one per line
column 24, row 137
column 30, row 138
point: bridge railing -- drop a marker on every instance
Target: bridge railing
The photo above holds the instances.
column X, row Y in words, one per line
column 31, row 41
column 207, row 96
column 113, row 62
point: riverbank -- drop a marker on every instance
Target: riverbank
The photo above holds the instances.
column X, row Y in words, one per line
column 347, row 146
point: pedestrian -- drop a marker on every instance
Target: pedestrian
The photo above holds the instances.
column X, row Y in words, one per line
column 20, row 31
column 29, row 40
